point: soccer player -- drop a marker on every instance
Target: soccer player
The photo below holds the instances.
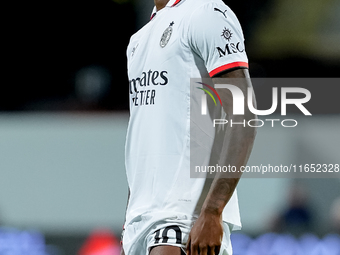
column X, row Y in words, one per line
column 168, row 212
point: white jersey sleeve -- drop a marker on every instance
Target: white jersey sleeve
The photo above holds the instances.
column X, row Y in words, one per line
column 215, row 34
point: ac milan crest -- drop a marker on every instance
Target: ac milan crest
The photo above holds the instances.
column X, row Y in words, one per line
column 166, row 35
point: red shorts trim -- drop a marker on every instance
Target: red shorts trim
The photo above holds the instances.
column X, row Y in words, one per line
column 228, row 66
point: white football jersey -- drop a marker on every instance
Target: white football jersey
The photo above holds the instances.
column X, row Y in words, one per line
column 186, row 39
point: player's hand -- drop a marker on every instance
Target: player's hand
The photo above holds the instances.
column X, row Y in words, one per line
column 205, row 237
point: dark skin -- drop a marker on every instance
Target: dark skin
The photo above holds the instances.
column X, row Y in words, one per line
column 206, row 234
column 160, row 4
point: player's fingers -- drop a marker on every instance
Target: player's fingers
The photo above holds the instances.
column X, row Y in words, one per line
column 213, row 250
column 203, row 250
column 210, row 250
column 194, row 249
column 216, row 250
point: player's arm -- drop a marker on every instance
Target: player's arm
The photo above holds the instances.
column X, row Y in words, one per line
column 206, row 234
column 215, row 35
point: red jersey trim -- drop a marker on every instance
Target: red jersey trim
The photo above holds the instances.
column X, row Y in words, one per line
column 228, row 66
column 177, row 1
column 153, row 15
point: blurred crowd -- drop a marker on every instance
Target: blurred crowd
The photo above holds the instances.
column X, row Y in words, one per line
column 299, row 214
column 284, row 244
column 70, row 55
column 104, row 242
column 32, row 242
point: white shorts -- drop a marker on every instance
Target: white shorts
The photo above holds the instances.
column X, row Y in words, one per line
column 141, row 235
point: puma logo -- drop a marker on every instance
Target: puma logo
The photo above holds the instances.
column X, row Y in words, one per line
column 218, row 10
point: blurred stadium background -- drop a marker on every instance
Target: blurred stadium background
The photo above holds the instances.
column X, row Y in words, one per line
column 64, row 113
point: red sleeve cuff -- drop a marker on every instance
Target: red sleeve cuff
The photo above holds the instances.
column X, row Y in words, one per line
column 227, row 67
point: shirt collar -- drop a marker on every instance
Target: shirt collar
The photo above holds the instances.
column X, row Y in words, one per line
column 171, row 3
